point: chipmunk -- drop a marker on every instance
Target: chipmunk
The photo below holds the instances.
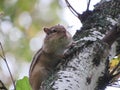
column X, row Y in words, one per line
column 48, row 57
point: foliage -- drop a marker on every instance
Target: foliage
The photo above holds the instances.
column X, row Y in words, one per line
column 23, row 84
column 114, row 62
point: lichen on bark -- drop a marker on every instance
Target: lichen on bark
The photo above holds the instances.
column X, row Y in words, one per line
column 86, row 66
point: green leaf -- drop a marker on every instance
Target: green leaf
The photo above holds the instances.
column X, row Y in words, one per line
column 23, row 84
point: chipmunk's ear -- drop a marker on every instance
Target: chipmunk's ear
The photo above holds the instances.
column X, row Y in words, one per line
column 47, row 31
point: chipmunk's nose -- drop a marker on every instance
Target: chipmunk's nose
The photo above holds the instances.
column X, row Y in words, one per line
column 64, row 32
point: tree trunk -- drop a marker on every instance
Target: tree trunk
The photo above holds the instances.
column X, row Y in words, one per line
column 86, row 64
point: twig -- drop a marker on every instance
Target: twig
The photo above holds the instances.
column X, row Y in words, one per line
column 82, row 17
column 72, row 9
column 3, row 86
column 88, row 4
column 114, row 86
column 115, row 74
column 4, row 58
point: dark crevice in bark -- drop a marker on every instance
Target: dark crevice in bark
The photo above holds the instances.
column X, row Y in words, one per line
column 104, row 80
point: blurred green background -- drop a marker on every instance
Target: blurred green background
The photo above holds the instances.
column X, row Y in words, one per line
column 21, row 23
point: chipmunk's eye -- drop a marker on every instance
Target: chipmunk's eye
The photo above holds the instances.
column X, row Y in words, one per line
column 54, row 30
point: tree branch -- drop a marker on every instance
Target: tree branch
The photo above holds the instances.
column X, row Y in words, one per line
column 2, row 86
column 112, row 35
column 82, row 17
column 4, row 58
column 88, row 4
column 72, row 9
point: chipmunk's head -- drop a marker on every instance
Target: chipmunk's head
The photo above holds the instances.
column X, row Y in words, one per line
column 57, row 37
column 57, row 30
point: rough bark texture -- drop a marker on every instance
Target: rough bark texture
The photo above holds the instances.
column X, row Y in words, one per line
column 86, row 64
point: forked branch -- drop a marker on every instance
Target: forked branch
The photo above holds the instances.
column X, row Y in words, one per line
column 72, row 9
column 82, row 17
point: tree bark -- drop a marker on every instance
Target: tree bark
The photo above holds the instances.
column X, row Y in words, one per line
column 86, row 64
